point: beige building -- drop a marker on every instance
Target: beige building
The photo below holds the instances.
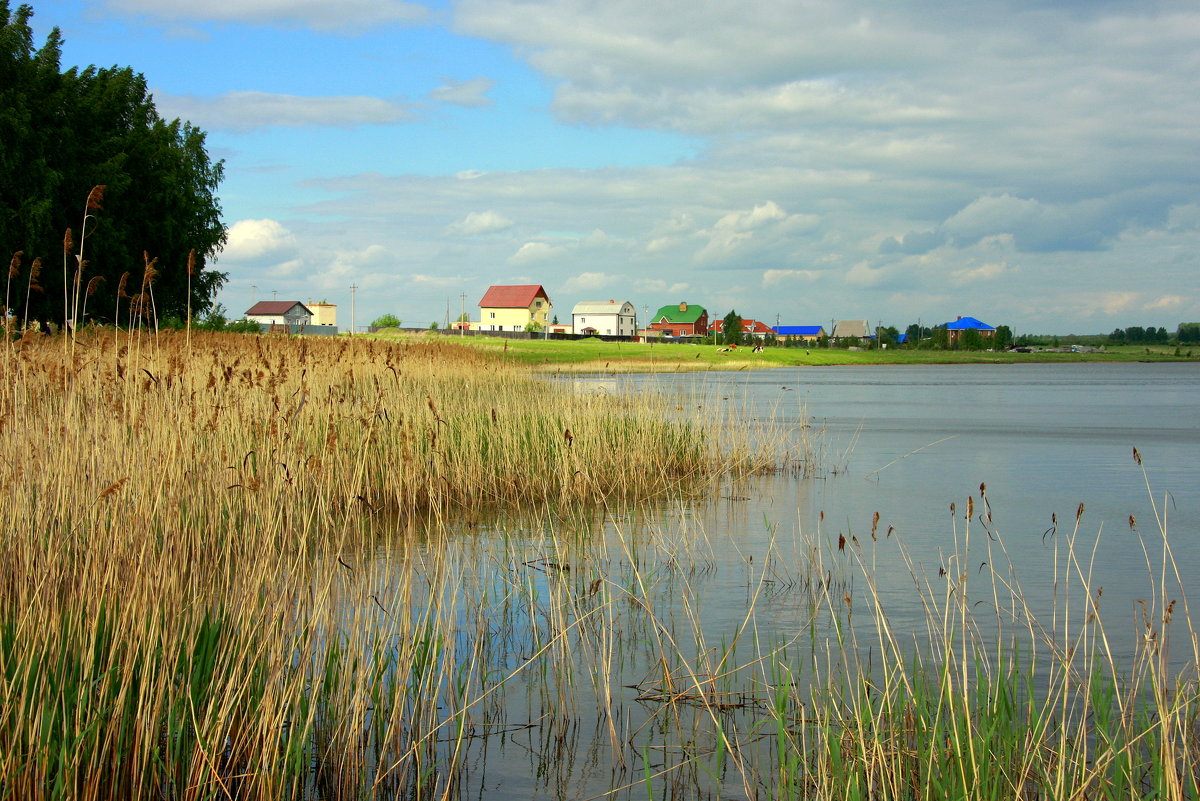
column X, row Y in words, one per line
column 323, row 313
column 512, row 308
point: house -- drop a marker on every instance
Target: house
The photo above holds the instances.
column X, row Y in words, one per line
column 606, row 317
column 960, row 325
column 323, row 313
column 512, row 308
column 680, row 320
column 809, row 334
column 279, row 312
column 750, row 328
column 847, row 329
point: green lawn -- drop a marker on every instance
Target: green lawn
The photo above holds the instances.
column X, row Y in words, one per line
column 595, row 355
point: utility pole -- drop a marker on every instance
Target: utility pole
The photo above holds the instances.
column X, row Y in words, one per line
column 353, row 307
column 253, row 294
column 273, row 294
column 462, row 331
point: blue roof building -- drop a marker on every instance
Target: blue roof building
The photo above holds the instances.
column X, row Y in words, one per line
column 955, row 329
column 800, row 331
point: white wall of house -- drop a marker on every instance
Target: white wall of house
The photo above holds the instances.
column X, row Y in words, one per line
column 607, row 318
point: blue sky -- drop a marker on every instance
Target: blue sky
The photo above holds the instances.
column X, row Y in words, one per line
column 1027, row 162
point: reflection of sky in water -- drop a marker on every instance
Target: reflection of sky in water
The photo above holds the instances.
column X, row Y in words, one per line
column 750, row 562
column 907, row 442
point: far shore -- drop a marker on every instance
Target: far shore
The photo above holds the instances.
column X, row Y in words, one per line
column 593, row 356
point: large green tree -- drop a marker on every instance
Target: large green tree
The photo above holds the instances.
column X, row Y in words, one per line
column 65, row 132
column 731, row 329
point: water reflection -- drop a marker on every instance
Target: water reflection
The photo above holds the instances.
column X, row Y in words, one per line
column 678, row 651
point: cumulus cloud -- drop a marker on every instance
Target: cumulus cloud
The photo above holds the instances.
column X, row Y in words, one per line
column 317, row 14
column 1166, row 302
column 471, row 93
column 258, row 242
column 536, row 253
column 479, row 222
column 586, row 282
column 249, row 111
column 973, row 275
column 781, row 277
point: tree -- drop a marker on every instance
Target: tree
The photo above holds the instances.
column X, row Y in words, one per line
column 731, row 328
column 1003, row 337
column 386, row 321
column 65, row 133
column 970, row 339
column 533, row 326
column 1188, row 333
column 939, row 337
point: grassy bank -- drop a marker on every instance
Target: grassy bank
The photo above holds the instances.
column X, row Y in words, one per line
column 598, row 356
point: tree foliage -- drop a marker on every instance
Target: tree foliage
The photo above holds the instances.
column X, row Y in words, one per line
column 386, row 321
column 65, row 132
column 731, row 329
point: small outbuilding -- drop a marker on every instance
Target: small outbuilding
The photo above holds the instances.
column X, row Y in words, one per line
column 604, row 318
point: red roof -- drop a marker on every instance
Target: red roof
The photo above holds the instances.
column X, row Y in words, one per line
column 748, row 326
column 512, row 297
column 265, row 307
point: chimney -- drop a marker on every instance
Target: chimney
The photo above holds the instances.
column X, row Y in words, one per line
column 683, row 306
column 956, row 319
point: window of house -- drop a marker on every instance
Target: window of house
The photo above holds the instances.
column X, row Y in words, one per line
column 492, row 315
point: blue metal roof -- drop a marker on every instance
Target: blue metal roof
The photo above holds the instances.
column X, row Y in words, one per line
column 901, row 339
column 965, row 323
column 798, row 330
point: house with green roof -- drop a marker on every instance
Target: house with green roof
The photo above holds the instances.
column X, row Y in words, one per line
column 680, row 320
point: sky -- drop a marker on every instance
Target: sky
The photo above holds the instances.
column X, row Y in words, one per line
column 1027, row 162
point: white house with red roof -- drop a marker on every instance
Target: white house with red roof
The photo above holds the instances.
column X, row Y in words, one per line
column 279, row 312
column 513, row 307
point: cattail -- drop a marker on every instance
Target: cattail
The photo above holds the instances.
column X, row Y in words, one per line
column 95, row 197
column 68, row 243
column 1137, row 457
column 191, row 264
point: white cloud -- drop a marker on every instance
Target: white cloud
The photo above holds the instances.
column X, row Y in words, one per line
column 471, row 93
column 435, row 280
column 257, row 241
column 479, row 222
column 586, row 282
column 535, row 253
column 249, row 111
column 973, row 275
column 1166, row 302
column 778, row 277
column 318, row 14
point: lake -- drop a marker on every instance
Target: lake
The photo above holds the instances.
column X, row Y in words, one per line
column 664, row 604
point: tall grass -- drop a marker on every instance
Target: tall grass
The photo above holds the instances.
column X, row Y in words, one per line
column 181, row 515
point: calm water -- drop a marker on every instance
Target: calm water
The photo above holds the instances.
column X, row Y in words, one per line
column 677, row 584
column 907, row 442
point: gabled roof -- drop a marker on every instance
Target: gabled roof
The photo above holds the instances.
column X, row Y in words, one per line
column 852, row 328
column 965, row 323
column 520, row 296
column 749, row 326
column 800, row 330
column 673, row 314
column 599, row 306
column 275, row 307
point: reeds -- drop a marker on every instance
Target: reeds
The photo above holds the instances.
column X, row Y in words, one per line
column 277, row 568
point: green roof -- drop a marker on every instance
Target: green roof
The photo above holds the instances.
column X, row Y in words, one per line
column 672, row 313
